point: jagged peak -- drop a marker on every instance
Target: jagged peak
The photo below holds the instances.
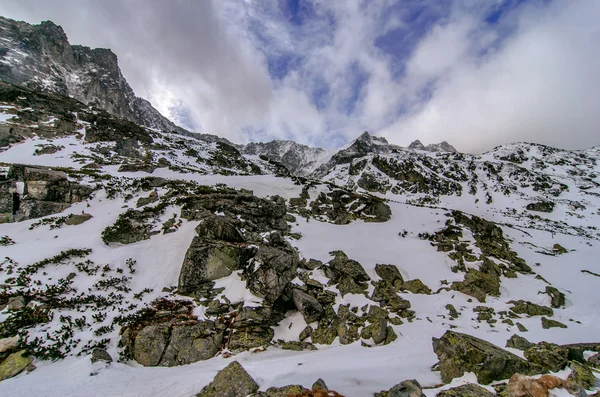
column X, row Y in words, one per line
column 443, row 146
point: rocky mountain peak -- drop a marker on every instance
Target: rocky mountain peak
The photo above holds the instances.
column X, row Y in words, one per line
column 416, row 145
column 41, row 57
column 434, row 147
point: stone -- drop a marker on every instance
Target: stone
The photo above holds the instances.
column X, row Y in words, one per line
column 284, row 391
column 452, row 311
column 320, row 385
column 407, row 388
column 523, row 386
column 150, row 344
column 14, row 364
column 296, row 345
column 549, row 323
column 310, row 308
column 415, row 286
column 468, row 390
column 306, row 333
column 250, row 337
column 207, row 261
column 271, row 271
column 9, row 344
column 531, row 309
column 459, row 353
column 101, row 355
column 191, row 343
column 518, row 342
column 541, row 206
column 594, row 361
column 558, row 249
column 521, row 327
column 15, row 303
column 550, row 356
column 223, row 228
column 557, row 298
column 78, row 219
column 231, row 381
column 478, row 284
column 389, row 273
column 581, row 375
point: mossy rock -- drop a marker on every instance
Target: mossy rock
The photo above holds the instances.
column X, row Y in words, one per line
column 468, row 390
column 459, row 353
column 559, row 249
column 284, row 391
column 518, row 342
column 231, row 381
column 531, row 309
column 78, row 219
column 478, row 284
column 14, row 364
column 581, row 375
column 550, row 356
column 557, row 298
column 389, row 273
column 549, row 323
column 296, row 345
column 415, row 286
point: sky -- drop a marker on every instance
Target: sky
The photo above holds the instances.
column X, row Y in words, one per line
column 476, row 73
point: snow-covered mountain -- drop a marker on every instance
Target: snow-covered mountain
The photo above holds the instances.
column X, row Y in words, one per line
column 40, row 56
column 141, row 262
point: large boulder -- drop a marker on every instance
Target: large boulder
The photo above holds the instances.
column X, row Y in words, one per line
column 271, row 271
column 550, row 356
column 531, row 309
column 150, row 344
column 407, row 388
column 459, row 353
column 231, row 381
column 310, row 307
column 581, row 375
column 468, row 390
column 518, row 342
column 191, row 343
column 206, row 261
column 389, row 273
column 349, row 275
column 219, row 228
column 14, row 364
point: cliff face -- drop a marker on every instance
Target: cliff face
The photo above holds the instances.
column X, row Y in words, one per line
column 41, row 57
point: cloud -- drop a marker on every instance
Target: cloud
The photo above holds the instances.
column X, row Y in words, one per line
column 475, row 73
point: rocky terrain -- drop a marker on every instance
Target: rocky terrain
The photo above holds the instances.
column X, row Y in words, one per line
column 141, row 259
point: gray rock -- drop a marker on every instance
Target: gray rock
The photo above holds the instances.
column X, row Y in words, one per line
column 271, row 271
column 284, row 391
column 408, row 388
column 191, row 343
column 531, row 309
column 468, row 390
column 219, row 228
column 14, row 364
column 389, row 273
column 207, row 261
column 101, row 355
column 231, row 381
column 459, row 353
column 518, row 342
column 16, row 303
column 548, row 323
column 150, row 344
column 78, row 219
column 594, row 361
column 550, row 356
column 320, row 385
column 310, row 308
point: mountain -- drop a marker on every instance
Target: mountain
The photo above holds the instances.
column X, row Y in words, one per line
column 40, row 56
column 141, row 262
column 434, row 147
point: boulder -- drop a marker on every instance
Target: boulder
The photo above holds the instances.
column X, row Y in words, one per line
column 531, row 309
column 468, row 390
column 284, row 391
column 549, row 323
column 341, row 265
column 250, row 337
column 459, row 353
column 310, row 308
column 191, row 343
column 14, row 364
column 518, row 342
column 320, row 385
column 594, row 361
column 523, row 386
column 407, row 388
column 101, row 355
column 9, row 344
column 415, row 286
column 231, row 381
column 478, row 284
column 550, row 356
column 15, row 303
column 150, row 344
column 581, row 375
column 389, row 273
column 223, row 228
column 207, row 261
column 557, row 298
column 78, row 219
column 541, row 206
column 271, row 271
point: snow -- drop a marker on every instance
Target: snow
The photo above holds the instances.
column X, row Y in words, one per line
column 353, row 370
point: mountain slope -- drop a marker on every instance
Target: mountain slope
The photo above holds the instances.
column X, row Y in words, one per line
column 40, row 56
